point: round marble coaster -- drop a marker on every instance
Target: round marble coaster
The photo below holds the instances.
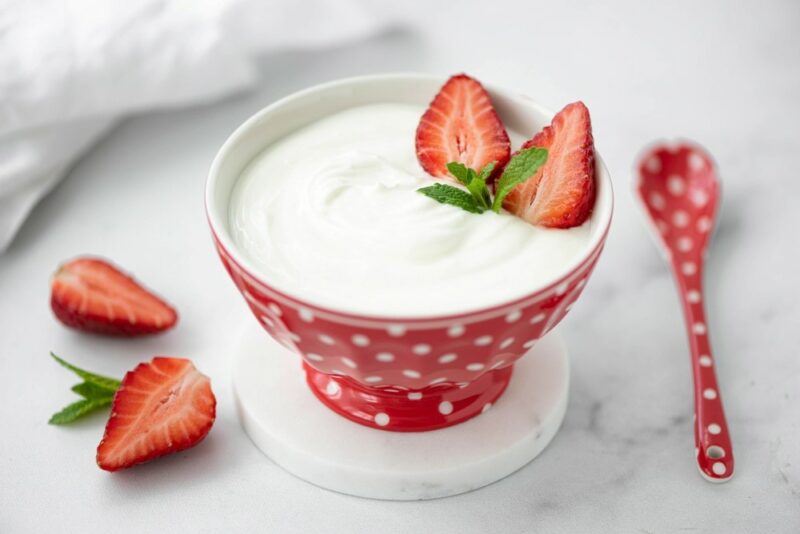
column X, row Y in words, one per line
column 291, row 426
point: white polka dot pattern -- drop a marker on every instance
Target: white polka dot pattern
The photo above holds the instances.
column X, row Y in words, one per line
column 456, row 330
column 483, row 341
column 332, row 388
column 699, row 197
column 699, row 328
column 719, row 468
column 381, row 419
column 676, row 185
column 421, row 349
column 447, row 358
column 384, row 357
column 680, row 219
column 653, row 164
column 685, row 244
column 696, row 161
column 657, row 201
column 396, row 330
column 506, row 342
column 538, row 318
column 360, row 340
column 445, row 408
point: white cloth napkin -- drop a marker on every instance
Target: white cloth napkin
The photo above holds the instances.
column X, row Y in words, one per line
column 70, row 68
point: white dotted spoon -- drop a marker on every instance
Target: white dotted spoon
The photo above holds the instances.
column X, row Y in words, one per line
column 680, row 192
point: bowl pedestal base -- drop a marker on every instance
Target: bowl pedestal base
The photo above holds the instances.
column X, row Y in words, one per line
column 291, row 426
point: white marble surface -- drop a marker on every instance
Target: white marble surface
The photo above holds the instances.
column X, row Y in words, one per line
column 722, row 73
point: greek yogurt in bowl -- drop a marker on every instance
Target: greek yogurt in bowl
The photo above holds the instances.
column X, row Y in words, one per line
column 408, row 314
column 331, row 213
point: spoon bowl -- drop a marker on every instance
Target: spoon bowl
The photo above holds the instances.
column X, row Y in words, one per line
column 680, row 192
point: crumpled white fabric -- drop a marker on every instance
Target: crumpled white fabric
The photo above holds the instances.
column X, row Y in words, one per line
column 69, row 69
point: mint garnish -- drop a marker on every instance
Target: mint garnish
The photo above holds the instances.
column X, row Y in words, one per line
column 519, row 169
column 477, row 198
column 447, row 194
column 87, row 390
column 97, row 392
column 78, row 409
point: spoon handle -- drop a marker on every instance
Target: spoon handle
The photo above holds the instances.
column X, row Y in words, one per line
column 712, row 439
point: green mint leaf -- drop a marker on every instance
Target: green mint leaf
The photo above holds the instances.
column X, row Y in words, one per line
column 477, row 187
column 97, row 392
column 519, row 169
column 78, row 409
column 103, row 382
column 447, row 194
column 90, row 391
column 486, row 171
column 460, row 171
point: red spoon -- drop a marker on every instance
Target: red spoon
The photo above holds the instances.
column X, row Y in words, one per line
column 679, row 190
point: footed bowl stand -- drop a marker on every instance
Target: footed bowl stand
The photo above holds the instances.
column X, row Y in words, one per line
column 288, row 423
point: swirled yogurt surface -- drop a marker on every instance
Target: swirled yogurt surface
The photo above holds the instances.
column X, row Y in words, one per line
column 331, row 215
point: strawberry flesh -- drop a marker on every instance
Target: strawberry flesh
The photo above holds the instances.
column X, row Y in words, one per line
column 561, row 193
column 92, row 295
column 461, row 125
column 161, row 407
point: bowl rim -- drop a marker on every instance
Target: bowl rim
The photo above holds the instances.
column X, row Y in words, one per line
column 218, row 221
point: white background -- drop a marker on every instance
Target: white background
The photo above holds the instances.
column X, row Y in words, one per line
column 726, row 74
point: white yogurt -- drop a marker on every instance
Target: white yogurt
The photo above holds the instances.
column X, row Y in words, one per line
column 331, row 215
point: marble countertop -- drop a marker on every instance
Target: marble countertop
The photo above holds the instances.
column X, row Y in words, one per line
column 725, row 75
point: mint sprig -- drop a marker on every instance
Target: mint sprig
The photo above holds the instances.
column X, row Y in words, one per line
column 519, row 169
column 447, row 194
column 477, row 198
column 78, row 409
column 97, row 392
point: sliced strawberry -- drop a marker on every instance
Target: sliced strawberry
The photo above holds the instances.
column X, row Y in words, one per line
column 161, row 407
column 561, row 193
column 92, row 295
column 461, row 125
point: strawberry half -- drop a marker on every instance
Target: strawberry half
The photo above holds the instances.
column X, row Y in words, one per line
column 561, row 193
column 92, row 295
column 161, row 407
column 461, row 125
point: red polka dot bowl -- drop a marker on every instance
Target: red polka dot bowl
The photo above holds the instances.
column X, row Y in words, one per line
column 396, row 373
